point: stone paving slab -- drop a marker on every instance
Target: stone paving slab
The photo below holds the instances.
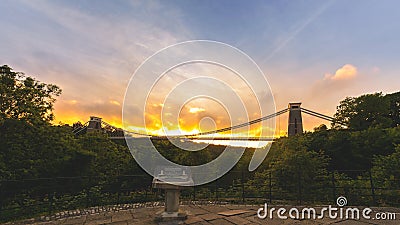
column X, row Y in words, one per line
column 213, row 208
column 352, row 222
column 209, row 214
column 102, row 218
column 237, row 220
column 233, row 212
column 202, row 223
column 193, row 219
column 119, row 223
column 220, row 222
column 253, row 219
column 75, row 220
column 121, row 217
column 194, row 210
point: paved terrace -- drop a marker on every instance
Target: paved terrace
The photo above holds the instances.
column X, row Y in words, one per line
column 200, row 214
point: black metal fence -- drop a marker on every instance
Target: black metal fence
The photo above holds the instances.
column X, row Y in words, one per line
column 44, row 196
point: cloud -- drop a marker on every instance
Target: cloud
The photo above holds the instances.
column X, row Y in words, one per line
column 347, row 71
column 88, row 53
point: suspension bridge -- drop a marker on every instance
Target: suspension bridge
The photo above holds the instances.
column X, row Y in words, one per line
column 295, row 126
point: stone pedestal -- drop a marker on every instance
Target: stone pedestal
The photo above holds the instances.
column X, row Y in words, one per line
column 172, row 200
column 171, row 210
column 172, row 183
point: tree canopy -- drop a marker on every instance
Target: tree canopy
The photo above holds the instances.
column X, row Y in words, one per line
column 25, row 98
column 369, row 110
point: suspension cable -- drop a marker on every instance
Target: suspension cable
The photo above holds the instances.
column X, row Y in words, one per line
column 80, row 128
column 307, row 111
column 126, row 131
column 321, row 116
column 241, row 125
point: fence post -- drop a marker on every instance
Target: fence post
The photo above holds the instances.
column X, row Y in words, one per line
column 2, row 193
column 333, row 186
column 270, row 187
column 372, row 188
column 119, row 188
column 216, row 191
column 283, row 195
column 88, row 192
column 51, row 196
column 194, row 192
column 243, row 194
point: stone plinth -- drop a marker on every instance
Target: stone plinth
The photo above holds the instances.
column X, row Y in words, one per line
column 172, row 180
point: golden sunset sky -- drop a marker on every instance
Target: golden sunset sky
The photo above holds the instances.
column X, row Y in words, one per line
column 314, row 52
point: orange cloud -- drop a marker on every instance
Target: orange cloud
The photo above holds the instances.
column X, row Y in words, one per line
column 348, row 71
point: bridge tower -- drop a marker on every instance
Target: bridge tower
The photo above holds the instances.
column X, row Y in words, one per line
column 94, row 124
column 295, row 124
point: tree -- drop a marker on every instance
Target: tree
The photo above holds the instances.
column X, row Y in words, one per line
column 31, row 151
column 370, row 110
column 394, row 113
column 386, row 175
column 24, row 98
column 296, row 172
column 386, row 169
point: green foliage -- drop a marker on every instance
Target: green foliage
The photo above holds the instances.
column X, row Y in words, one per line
column 394, row 113
column 24, row 98
column 370, row 110
column 29, row 151
column 352, row 150
column 295, row 171
column 190, row 158
column 386, row 169
column 356, row 188
column 386, row 174
column 110, row 158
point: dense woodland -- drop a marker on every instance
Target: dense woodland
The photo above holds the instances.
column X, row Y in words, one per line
column 32, row 147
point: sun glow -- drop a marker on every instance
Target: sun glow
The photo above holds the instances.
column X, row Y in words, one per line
column 196, row 110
